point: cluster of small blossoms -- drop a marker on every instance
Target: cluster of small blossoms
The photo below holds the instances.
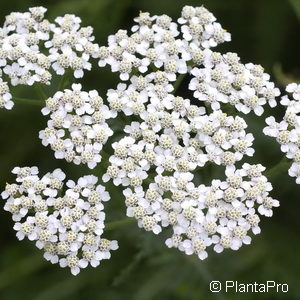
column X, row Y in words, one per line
column 221, row 214
column 158, row 159
column 224, row 79
column 158, row 42
column 30, row 46
column 287, row 131
column 68, row 225
column 77, row 129
column 5, row 95
column 168, row 121
column 173, row 139
column 161, row 157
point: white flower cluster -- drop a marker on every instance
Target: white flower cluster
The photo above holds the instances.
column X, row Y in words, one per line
column 287, row 132
column 30, row 46
column 77, row 129
column 219, row 215
column 5, row 95
column 67, row 225
column 157, row 42
column 224, row 79
column 159, row 158
column 170, row 121
column 173, row 139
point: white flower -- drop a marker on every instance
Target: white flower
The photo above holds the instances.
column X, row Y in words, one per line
column 5, row 96
column 287, row 131
column 77, row 130
column 294, row 171
column 68, row 228
column 159, row 160
column 22, row 55
column 266, row 207
column 294, row 89
column 250, row 101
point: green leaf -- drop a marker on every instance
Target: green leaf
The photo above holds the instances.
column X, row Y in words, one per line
column 296, row 6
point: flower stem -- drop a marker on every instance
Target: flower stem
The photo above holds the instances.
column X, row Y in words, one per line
column 229, row 109
column 28, row 101
column 279, row 168
column 105, row 159
column 178, row 82
column 63, row 81
column 119, row 223
column 40, row 92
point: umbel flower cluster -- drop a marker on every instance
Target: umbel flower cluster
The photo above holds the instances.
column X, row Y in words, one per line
column 32, row 49
column 164, row 149
column 287, row 132
column 66, row 222
column 77, row 128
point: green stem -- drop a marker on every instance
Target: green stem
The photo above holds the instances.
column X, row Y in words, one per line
column 28, row 101
column 105, row 159
column 229, row 109
column 63, row 81
column 119, row 223
column 40, row 92
column 279, row 168
column 178, row 82
column 207, row 106
column 153, row 68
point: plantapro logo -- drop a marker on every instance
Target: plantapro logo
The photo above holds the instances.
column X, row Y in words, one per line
column 253, row 287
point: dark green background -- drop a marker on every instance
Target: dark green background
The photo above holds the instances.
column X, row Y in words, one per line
column 263, row 31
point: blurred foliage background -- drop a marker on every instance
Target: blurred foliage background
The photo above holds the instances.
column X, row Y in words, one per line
column 265, row 32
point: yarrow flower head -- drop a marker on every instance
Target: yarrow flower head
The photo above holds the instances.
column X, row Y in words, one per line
column 158, row 41
column 227, row 80
column 77, row 129
column 31, row 48
column 200, row 216
column 5, row 95
column 158, row 163
column 287, row 131
column 66, row 222
column 173, row 138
